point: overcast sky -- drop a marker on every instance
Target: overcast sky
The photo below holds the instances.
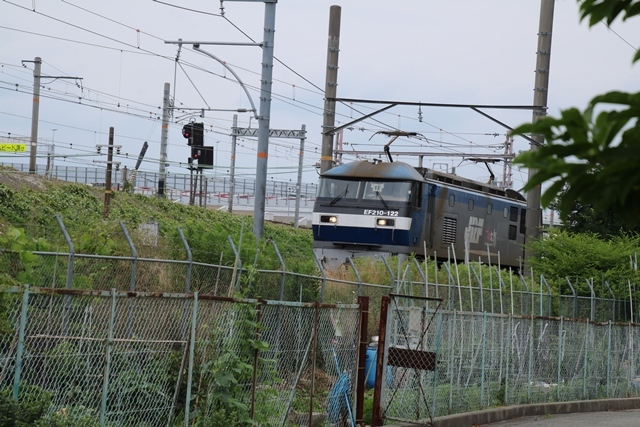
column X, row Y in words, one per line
column 463, row 51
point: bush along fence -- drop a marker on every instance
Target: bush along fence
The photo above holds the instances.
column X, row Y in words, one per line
column 485, row 360
column 142, row 359
column 470, row 287
column 487, row 290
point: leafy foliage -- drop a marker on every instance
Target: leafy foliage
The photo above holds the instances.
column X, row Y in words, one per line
column 584, row 218
column 15, row 239
column 32, row 405
column 594, row 154
column 70, row 417
column 594, row 159
column 207, row 231
column 586, row 256
column 608, row 10
column 226, row 377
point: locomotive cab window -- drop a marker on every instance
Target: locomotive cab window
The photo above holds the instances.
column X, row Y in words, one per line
column 389, row 191
column 337, row 189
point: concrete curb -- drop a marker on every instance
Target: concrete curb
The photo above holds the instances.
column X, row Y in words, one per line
column 494, row 415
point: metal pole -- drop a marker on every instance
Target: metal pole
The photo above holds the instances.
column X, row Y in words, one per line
column 20, row 347
column 508, row 358
column 436, row 371
column 264, row 118
column 609, row 359
column 323, row 273
column 541, row 91
column 107, row 366
column 330, row 89
column 189, row 260
column 164, row 136
column 560, row 344
column 296, row 217
column 376, row 417
column 484, row 351
column 363, row 302
column 254, row 378
column 530, row 370
column 69, row 279
column 586, row 355
column 34, row 114
column 232, row 169
column 192, row 345
column 314, row 334
column 134, row 256
column 107, row 189
column 452, row 351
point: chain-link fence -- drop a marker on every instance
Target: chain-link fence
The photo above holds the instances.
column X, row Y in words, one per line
column 487, row 360
column 136, row 359
column 494, row 294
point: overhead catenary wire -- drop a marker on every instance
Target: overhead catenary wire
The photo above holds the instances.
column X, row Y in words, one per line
column 281, row 98
column 110, row 38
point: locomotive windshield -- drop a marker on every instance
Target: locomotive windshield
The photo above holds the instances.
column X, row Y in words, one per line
column 387, row 191
column 379, row 191
column 337, row 189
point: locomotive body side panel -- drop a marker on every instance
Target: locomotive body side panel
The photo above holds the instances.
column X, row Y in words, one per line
column 383, row 209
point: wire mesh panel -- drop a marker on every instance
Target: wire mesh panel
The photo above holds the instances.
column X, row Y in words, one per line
column 160, row 276
column 130, row 359
column 406, row 382
column 147, row 337
column 209, row 279
column 9, row 337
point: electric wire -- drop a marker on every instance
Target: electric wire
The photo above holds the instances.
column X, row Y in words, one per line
column 151, row 53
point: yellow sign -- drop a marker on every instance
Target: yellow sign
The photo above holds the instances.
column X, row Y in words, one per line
column 13, row 148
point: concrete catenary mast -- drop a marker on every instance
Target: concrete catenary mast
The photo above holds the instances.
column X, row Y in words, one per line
column 330, row 89
column 164, row 135
column 540, row 94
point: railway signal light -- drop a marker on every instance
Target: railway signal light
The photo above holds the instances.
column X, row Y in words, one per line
column 198, row 134
column 187, row 132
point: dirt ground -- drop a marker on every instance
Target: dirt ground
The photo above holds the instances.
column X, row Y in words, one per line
column 20, row 180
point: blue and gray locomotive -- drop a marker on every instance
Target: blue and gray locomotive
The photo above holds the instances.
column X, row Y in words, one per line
column 380, row 209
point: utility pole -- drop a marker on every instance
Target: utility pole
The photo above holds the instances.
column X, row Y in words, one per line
column 507, row 173
column 232, row 178
column 34, row 114
column 540, row 94
column 107, row 185
column 296, row 216
column 166, row 109
column 264, row 118
column 37, row 75
column 330, row 89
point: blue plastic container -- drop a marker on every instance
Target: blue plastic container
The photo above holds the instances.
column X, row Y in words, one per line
column 370, row 366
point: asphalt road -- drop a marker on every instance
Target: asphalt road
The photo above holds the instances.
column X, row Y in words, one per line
column 629, row 418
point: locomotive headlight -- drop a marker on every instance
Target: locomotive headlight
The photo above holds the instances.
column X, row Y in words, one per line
column 329, row 218
column 383, row 222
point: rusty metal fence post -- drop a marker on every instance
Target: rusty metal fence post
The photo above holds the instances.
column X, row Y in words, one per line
column 363, row 302
column 314, row 333
column 376, row 416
